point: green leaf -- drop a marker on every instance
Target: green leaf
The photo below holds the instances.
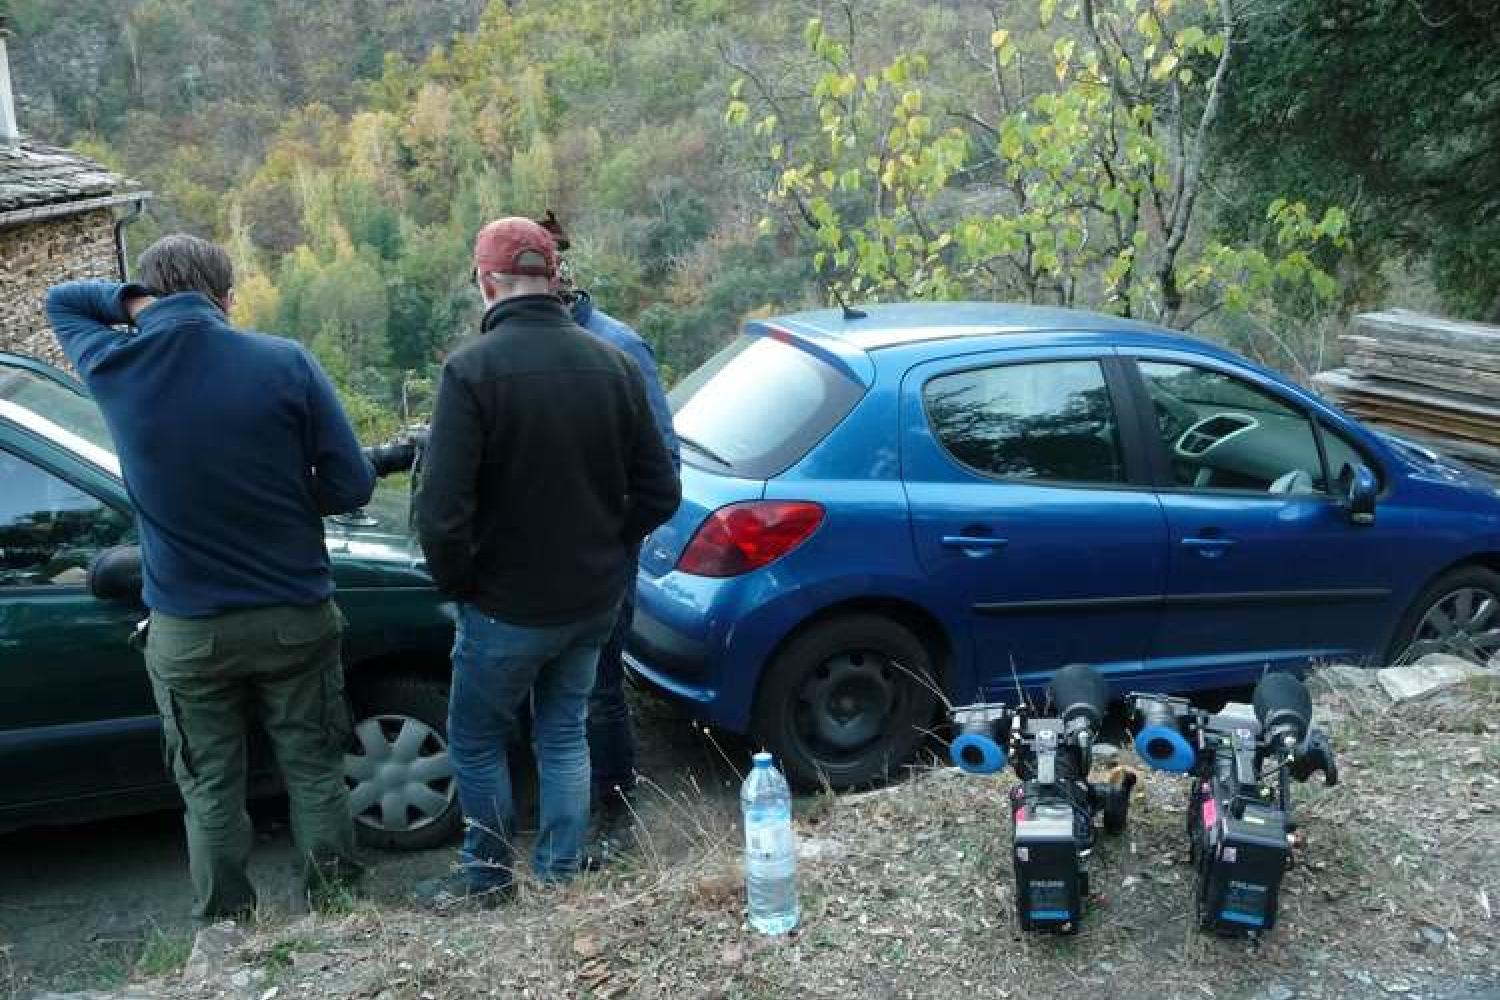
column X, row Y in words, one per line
column 813, row 33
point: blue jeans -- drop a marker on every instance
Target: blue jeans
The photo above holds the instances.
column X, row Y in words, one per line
column 496, row 666
column 611, row 742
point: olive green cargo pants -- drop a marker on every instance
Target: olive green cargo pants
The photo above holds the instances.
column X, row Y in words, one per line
column 211, row 677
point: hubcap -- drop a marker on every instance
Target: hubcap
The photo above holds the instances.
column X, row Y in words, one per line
column 846, row 702
column 1462, row 623
column 400, row 778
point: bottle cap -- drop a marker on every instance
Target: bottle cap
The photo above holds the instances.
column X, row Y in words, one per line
column 762, row 759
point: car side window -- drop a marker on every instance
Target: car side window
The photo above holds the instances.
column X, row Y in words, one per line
column 1222, row 433
column 1050, row 421
column 49, row 528
column 1340, row 454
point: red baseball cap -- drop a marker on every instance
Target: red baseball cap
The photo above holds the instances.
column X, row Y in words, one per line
column 516, row 246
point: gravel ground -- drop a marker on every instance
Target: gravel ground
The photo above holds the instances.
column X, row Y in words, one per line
column 906, row 892
column 87, row 906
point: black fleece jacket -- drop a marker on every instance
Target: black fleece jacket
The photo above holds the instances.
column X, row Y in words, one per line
column 544, row 470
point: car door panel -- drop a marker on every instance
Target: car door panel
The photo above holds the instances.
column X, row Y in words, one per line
column 1257, row 579
column 1049, row 572
column 76, row 713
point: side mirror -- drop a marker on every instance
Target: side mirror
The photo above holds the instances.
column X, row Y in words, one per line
column 115, row 575
column 1360, row 488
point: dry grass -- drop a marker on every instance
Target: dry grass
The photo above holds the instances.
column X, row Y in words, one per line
column 913, row 898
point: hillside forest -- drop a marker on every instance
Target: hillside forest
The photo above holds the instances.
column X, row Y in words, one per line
column 1253, row 171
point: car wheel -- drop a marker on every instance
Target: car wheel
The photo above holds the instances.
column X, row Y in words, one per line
column 1458, row 615
column 402, row 791
column 846, row 702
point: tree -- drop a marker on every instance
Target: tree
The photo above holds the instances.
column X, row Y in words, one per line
column 1391, row 107
column 1073, row 179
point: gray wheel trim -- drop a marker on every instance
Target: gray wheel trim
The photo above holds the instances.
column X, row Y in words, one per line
column 1463, row 622
column 408, row 783
column 850, row 735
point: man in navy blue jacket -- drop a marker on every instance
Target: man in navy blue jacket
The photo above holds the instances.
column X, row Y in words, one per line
column 233, row 446
column 611, row 740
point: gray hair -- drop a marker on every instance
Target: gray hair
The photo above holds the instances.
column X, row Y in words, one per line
column 182, row 263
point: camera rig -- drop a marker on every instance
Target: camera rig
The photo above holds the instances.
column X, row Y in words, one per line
column 1054, row 808
column 1241, row 760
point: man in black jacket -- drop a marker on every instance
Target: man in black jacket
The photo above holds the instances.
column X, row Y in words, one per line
column 544, row 471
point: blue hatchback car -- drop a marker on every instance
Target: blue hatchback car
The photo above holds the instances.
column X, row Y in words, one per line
column 965, row 497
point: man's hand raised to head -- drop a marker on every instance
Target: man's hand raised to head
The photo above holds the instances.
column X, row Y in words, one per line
column 135, row 303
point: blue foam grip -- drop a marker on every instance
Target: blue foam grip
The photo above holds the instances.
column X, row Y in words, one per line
column 991, row 754
column 1179, row 761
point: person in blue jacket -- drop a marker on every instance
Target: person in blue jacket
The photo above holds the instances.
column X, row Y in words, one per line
column 233, row 446
column 611, row 739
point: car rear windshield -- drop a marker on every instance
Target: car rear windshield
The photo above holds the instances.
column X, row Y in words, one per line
column 758, row 406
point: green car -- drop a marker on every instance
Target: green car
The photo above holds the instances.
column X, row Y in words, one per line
column 79, row 734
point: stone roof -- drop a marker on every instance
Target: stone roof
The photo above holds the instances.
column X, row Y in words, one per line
column 33, row 175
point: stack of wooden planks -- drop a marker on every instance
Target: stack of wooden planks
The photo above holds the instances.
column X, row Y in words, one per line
column 1436, row 381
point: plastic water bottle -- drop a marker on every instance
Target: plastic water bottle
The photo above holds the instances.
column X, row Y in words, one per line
column 770, row 851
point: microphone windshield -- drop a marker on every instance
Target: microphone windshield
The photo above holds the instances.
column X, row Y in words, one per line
column 1078, row 690
column 1281, row 699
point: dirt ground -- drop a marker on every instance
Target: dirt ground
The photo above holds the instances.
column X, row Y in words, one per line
column 907, row 892
column 88, row 906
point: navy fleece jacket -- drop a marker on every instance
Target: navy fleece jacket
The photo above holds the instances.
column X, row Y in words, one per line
column 233, row 446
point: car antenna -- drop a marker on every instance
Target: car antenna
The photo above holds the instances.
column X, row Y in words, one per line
column 849, row 311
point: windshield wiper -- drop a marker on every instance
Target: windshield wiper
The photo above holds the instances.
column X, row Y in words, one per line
column 704, row 449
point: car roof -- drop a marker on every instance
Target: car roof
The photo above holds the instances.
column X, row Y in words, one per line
column 40, row 367
column 896, row 325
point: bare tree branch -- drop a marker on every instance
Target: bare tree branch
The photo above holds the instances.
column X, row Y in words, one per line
column 1183, row 210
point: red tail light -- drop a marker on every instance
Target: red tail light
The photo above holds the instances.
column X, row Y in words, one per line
column 746, row 536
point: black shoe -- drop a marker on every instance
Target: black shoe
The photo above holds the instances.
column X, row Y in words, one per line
column 453, row 892
column 615, row 803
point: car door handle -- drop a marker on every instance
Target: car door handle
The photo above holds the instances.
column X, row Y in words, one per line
column 1208, row 548
column 986, row 542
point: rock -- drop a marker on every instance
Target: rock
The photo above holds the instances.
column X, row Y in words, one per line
column 213, row 950
column 310, row 961
column 819, row 849
column 1434, row 672
column 1339, row 678
column 1279, row 992
column 126, row 993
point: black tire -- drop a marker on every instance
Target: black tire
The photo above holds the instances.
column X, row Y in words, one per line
column 1414, row 638
column 424, row 810
column 846, row 702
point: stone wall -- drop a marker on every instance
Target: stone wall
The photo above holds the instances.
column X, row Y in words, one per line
column 36, row 255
